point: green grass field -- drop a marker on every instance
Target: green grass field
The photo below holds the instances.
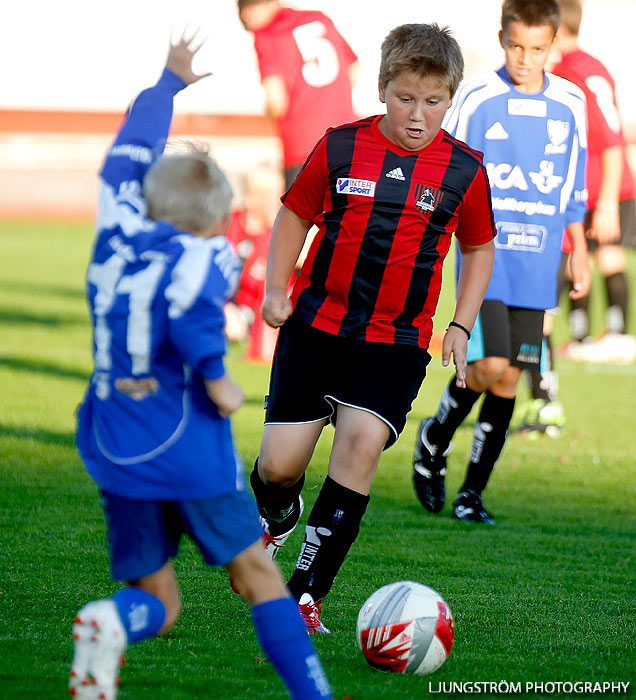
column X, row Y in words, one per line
column 547, row 595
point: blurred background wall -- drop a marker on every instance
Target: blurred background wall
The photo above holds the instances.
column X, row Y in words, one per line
column 70, row 68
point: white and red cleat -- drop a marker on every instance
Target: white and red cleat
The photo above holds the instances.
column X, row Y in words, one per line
column 310, row 612
column 274, row 542
column 100, row 642
column 610, row 348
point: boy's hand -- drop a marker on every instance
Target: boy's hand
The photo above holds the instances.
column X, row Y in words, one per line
column 580, row 274
column 276, row 308
column 227, row 395
column 180, row 55
column 455, row 343
column 605, row 226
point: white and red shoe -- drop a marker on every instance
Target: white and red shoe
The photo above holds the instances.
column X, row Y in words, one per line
column 100, row 643
column 274, row 543
column 610, row 348
column 310, row 612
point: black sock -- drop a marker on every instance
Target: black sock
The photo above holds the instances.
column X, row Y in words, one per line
column 535, row 384
column 617, row 299
column 562, row 276
column 279, row 506
column 332, row 528
column 578, row 318
column 544, row 384
column 488, row 442
column 454, row 405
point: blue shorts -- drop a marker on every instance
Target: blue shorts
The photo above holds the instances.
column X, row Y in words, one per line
column 144, row 535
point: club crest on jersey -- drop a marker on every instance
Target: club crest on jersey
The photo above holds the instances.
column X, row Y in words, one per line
column 427, row 198
column 545, row 180
column 557, row 133
column 349, row 185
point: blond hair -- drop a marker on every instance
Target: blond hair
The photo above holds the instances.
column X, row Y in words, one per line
column 187, row 189
column 425, row 49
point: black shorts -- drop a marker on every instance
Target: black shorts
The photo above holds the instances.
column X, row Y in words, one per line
column 507, row 331
column 314, row 371
column 627, row 212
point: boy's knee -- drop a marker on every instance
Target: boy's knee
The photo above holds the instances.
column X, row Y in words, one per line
column 506, row 385
column 364, row 448
column 275, row 470
column 611, row 259
column 483, row 373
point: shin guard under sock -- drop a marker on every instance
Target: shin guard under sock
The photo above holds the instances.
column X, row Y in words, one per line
column 283, row 637
column 454, row 405
column 142, row 614
column 544, row 384
column 489, row 438
column 617, row 299
column 332, row 528
column 578, row 318
column 280, row 507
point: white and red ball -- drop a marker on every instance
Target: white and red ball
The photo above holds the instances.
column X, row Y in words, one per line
column 405, row 627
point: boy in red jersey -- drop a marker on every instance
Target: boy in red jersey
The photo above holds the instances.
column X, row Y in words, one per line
column 611, row 219
column 307, row 70
column 386, row 193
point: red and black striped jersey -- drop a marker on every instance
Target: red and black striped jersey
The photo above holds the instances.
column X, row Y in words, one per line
column 385, row 219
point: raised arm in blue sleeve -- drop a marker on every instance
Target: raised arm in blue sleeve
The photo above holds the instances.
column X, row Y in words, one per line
column 144, row 132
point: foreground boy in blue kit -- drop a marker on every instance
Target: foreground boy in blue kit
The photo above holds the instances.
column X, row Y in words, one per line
column 530, row 127
column 153, row 427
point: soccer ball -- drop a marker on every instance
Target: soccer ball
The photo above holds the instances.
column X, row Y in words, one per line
column 405, row 627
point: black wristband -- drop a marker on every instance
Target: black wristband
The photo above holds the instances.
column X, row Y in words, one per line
column 459, row 325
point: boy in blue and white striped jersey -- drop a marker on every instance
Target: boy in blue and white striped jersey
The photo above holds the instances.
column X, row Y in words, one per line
column 530, row 126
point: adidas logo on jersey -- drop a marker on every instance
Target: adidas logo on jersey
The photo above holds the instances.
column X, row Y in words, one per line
column 496, row 133
column 396, row 174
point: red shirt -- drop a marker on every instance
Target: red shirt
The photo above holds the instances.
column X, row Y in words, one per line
column 385, row 220
column 604, row 126
column 306, row 51
column 252, row 249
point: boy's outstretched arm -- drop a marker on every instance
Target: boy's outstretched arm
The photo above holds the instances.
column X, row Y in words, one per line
column 579, row 262
column 288, row 237
column 180, row 56
column 143, row 134
column 474, row 276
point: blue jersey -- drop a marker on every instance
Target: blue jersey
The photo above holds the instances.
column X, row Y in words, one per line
column 156, row 298
column 534, row 148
